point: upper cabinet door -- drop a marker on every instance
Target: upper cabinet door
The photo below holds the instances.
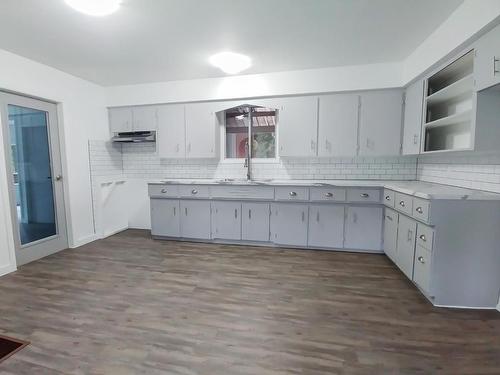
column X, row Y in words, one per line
column 487, row 61
column 202, row 131
column 380, row 123
column 171, row 139
column 145, row 118
column 120, row 120
column 412, row 127
column 297, row 127
column 338, row 125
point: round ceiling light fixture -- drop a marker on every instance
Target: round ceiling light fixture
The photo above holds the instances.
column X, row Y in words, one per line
column 230, row 62
column 96, row 8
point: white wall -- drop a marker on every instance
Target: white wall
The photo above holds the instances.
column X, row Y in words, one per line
column 82, row 116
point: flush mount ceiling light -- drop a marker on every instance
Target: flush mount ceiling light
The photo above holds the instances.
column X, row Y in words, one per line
column 230, row 62
column 95, row 7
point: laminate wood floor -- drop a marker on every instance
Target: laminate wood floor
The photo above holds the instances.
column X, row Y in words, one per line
column 131, row 305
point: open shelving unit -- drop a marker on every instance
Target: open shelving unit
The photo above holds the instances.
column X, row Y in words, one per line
column 449, row 107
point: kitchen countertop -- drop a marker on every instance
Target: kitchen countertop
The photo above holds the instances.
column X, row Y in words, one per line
column 420, row 189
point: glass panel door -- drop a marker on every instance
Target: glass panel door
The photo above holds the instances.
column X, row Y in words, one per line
column 32, row 173
column 36, row 192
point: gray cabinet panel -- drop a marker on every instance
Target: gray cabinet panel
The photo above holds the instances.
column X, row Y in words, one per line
column 326, row 226
column 407, row 230
column 255, row 222
column 289, row 224
column 391, row 234
column 195, row 219
column 363, row 228
column 226, row 221
column 165, row 219
column 412, row 127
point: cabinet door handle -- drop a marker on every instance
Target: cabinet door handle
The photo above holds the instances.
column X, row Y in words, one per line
column 177, row 147
column 189, row 148
column 174, row 211
column 421, row 259
column 388, row 217
column 422, row 237
column 329, row 195
column 419, row 210
column 303, row 216
column 495, row 61
column 327, row 147
column 250, row 214
column 415, row 139
column 317, row 216
column 235, row 213
column 364, row 195
column 402, row 203
column 354, row 217
column 194, row 191
column 410, row 235
column 186, row 211
column 293, row 194
column 313, row 145
column 163, row 191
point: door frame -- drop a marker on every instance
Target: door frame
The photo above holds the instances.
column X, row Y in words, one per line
column 53, row 244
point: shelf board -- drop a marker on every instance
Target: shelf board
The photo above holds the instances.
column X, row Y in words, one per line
column 460, row 87
column 444, row 150
column 450, row 120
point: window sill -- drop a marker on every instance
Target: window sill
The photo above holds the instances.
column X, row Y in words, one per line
column 253, row 161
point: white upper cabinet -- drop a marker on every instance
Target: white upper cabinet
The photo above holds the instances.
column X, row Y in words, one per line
column 487, row 61
column 120, row 120
column 297, row 126
column 338, row 125
column 171, row 139
column 412, row 126
column 132, row 119
column 380, row 123
column 145, row 118
column 202, row 131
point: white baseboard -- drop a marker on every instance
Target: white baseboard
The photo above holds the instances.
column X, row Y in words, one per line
column 498, row 306
column 84, row 241
column 7, row 269
column 113, row 232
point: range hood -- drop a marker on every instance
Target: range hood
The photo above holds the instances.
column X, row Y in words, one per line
column 135, row 137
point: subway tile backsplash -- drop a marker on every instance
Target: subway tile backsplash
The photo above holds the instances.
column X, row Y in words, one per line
column 473, row 170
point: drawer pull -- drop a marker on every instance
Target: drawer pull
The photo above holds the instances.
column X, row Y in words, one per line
column 293, row 194
column 402, row 203
column 419, row 210
column 421, row 259
column 329, row 195
column 194, row 191
column 364, row 195
column 422, row 237
column 387, row 197
column 163, row 191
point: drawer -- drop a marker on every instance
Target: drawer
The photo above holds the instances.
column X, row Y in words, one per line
column 163, row 191
column 292, row 193
column 389, row 198
column 422, row 268
column 363, row 195
column 421, row 209
column 327, row 194
column 243, row 192
column 425, row 236
column 194, row 191
column 403, row 203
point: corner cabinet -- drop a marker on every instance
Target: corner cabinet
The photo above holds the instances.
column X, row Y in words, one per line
column 413, row 111
column 380, row 123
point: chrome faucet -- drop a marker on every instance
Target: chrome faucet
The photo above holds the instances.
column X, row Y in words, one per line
column 248, row 150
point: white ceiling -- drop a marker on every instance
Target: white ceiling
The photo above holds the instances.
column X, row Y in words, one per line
column 163, row 40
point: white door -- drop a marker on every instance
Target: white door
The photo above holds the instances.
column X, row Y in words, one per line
column 338, row 125
column 412, row 126
column 36, row 182
column 171, row 139
column 202, row 131
column 406, row 245
column 255, row 222
column 297, row 127
column 326, row 226
column 380, row 123
column 120, row 120
column 487, row 60
column 391, row 233
column 165, row 221
column 145, row 118
column 363, row 228
column 226, row 221
column 195, row 219
column 289, row 224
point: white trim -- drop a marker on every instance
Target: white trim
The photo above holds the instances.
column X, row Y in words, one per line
column 498, row 306
column 113, row 232
column 84, row 241
column 7, row 269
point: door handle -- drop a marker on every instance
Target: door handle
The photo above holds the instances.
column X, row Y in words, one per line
column 495, row 61
column 419, row 210
column 364, row 195
column 421, row 259
column 422, row 237
column 329, row 195
column 250, row 214
column 303, row 216
column 317, row 216
column 235, row 213
column 186, row 210
column 58, row 177
column 410, row 235
column 174, row 211
column 402, row 203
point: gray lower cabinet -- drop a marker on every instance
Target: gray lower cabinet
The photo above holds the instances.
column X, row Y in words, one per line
column 407, row 230
column 391, row 233
column 326, row 226
column 255, row 222
column 165, row 221
column 363, row 229
column 289, row 224
column 195, row 219
column 226, row 220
